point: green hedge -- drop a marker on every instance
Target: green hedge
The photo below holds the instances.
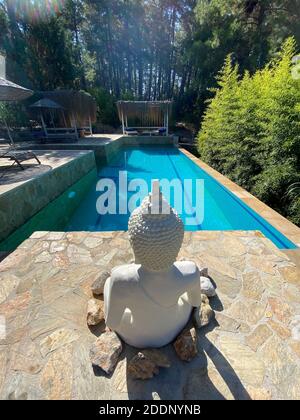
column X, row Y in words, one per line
column 251, row 130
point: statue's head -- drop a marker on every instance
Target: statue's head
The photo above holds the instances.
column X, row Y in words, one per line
column 155, row 232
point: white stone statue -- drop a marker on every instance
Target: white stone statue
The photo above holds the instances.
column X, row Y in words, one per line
column 149, row 303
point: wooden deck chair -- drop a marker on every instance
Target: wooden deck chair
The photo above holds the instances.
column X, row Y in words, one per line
column 17, row 156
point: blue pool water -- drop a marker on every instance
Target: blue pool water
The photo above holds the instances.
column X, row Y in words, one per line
column 222, row 209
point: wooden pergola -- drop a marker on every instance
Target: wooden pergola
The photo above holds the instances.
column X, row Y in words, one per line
column 145, row 115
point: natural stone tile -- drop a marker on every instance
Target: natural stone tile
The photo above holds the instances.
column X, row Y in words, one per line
column 19, row 303
column 250, row 312
column 55, row 236
column 225, row 323
column 273, row 284
column 40, row 246
column 92, row 242
column 282, row 331
column 291, row 294
column 57, row 339
column 38, row 235
column 207, row 384
column 253, row 287
column 233, row 246
column 71, row 307
column 246, row 364
column 262, row 264
column 291, row 387
column 26, row 358
column 105, row 260
column 58, row 246
column 44, row 257
column 57, row 376
column 295, row 327
column 3, row 364
column 79, row 255
column 8, row 284
column 295, row 346
column 13, row 260
column 238, row 262
column 60, row 260
column 259, row 394
column 44, row 325
column 257, row 247
column 76, row 237
column 280, row 363
column 258, row 337
column 281, row 310
column 120, row 379
column 291, row 274
column 28, row 244
column 226, row 285
column 244, row 328
column 58, row 295
column 219, row 266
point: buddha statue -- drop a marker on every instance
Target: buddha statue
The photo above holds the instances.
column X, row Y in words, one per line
column 149, row 303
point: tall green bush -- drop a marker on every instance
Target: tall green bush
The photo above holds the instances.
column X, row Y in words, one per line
column 251, row 130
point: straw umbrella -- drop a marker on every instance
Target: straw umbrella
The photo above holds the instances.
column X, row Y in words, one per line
column 48, row 104
column 10, row 92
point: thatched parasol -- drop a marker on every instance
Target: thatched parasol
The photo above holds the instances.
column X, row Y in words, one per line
column 10, row 92
column 46, row 104
column 79, row 105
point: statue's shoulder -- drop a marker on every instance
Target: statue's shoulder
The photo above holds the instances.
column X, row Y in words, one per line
column 125, row 273
column 187, row 268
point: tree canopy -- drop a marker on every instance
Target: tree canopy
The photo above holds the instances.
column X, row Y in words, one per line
column 140, row 49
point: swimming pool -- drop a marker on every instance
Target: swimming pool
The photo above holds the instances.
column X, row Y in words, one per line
column 75, row 209
column 222, row 209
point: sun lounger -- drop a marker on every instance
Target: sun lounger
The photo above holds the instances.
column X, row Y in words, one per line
column 18, row 156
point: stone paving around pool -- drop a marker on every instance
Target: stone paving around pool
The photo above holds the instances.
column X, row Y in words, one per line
column 250, row 351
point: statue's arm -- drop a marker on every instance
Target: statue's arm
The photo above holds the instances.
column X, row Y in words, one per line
column 193, row 295
column 114, row 308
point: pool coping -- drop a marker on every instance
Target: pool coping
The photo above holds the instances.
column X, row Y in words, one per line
column 279, row 222
column 26, row 198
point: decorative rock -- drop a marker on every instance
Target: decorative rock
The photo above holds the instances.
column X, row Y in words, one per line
column 155, row 396
column 157, row 357
column 186, row 345
column 95, row 313
column 141, row 367
column 207, row 287
column 98, row 285
column 106, row 351
column 204, row 314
